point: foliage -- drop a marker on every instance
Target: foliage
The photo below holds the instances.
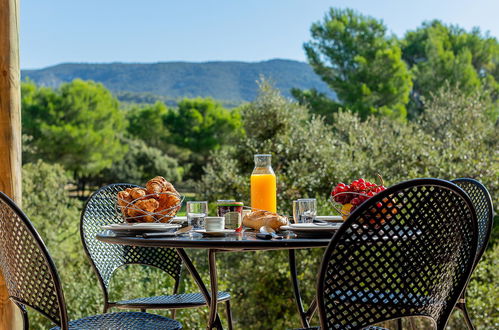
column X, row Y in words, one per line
column 438, row 53
column 188, row 133
column 76, row 126
column 373, row 73
column 318, row 103
column 147, row 124
column 141, row 163
column 201, row 126
column 483, row 290
column 132, row 99
column 361, row 64
column 44, row 191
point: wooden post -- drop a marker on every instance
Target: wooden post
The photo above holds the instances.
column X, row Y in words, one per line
column 10, row 132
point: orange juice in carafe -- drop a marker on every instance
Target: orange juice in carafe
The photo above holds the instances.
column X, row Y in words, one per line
column 263, row 185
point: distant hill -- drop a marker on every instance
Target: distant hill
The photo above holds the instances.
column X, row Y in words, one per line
column 233, row 82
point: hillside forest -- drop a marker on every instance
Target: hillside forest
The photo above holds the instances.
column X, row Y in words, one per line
column 425, row 105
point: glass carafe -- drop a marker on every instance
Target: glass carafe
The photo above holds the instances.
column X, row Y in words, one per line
column 263, row 184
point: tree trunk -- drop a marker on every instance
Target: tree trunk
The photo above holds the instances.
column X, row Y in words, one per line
column 10, row 132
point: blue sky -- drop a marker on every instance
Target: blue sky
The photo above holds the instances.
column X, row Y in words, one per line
column 56, row 31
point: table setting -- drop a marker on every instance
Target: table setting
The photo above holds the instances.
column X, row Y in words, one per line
column 149, row 218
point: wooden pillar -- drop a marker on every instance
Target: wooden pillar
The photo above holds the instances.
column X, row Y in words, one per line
column 10, row 132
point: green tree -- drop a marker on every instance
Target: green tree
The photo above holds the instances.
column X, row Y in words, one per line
column 201, row 126
column 319, row 103
column 77, row 125
column 141, row 163
column 147, row 123
column 363, row 66
column 439, row 54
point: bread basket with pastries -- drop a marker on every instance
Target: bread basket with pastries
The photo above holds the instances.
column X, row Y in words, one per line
column 159, row 201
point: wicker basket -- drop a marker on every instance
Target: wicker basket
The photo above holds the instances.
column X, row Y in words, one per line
column 148, row 208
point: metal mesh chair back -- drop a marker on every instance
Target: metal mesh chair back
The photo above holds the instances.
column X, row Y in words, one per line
column 29, row 272
column 482, row 202
column 407, row 251
column 100, row 209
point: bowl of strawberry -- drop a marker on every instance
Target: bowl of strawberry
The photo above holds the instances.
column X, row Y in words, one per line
column 350, row 196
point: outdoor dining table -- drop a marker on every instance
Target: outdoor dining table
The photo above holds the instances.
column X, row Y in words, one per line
column 236, row 242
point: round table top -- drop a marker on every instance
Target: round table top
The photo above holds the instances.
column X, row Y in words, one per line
column 235, row 241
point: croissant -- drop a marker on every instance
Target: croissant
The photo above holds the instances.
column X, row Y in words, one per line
column 140, row 210
column 158, row 185
column 136, row 192
column 124, row 199
column 164, row 212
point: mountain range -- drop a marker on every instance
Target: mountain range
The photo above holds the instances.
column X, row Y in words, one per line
column 229, row 81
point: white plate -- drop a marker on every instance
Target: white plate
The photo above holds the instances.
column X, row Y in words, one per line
column 311, row 230
column 330, row 218
column 140, row 227
column 312, row 227
column 214, row 233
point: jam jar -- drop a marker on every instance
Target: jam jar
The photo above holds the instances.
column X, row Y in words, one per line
column 232, row 212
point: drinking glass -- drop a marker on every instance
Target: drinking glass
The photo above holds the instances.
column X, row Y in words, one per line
column 196, row 212
column 306, row 209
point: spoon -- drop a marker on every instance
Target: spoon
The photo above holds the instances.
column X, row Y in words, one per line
column 167, row 234
column 266, row 230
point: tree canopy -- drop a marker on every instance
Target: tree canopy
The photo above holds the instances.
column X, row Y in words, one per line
column 439, row 54
column 140, row 163
column 77, row 125
column 373, row 73
column 201, row 126
column 362, row 64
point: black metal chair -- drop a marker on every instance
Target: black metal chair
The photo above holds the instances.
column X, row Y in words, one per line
column 32, row 279
column 99, row 210
column 482, row 202
column 408, row 251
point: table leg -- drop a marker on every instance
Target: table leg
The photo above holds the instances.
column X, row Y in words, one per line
column 215, row 321
column 213, row 286
column 296, row 289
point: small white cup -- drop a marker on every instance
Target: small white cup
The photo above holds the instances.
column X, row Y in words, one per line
column 214, row 223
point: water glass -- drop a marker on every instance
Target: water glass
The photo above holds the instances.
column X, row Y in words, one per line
column 306, row 210
column 196, row 213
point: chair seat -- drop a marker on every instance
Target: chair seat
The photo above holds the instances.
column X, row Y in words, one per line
column 384, row 298
column 124, row 320
column 184, row 300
